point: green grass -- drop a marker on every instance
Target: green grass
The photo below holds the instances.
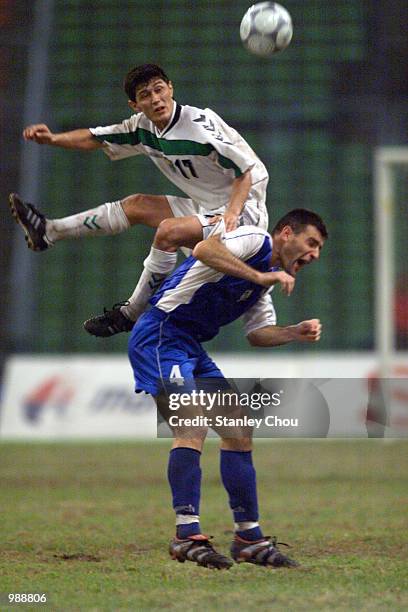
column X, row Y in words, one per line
column 89, row 524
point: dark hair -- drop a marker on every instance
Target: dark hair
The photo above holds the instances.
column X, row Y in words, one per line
column 298, row 219
column 141, row 75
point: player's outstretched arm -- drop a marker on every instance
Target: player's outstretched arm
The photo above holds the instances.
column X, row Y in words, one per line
column 215, row 254
column 240, row 190
column 76, row 139
column 273, row 335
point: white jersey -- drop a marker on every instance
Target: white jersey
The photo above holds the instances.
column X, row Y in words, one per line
column 197, row 151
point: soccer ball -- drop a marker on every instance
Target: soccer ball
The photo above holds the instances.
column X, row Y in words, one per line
column 266, row 28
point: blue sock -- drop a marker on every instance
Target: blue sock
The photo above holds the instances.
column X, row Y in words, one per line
column 239, row 479
column 252, row 535
column 185, row 531
column 184, row 474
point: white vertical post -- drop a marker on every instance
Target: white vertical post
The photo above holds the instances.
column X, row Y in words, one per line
column 384, row 261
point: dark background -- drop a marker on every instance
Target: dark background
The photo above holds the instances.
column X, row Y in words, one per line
column 314, row 114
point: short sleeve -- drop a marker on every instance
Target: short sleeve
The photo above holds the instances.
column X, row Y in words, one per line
column 245, row 241
column 261, row 314
column 233, row 153
column 119, row 140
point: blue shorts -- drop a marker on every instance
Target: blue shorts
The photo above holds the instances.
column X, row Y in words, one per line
column 163, row 357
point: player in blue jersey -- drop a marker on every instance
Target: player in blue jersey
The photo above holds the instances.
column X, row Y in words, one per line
column 193, row 147
column 224, row 279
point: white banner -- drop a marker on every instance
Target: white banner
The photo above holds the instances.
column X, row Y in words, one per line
column 71, row 397
column 74, row 397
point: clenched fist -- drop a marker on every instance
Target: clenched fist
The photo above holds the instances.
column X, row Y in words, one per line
column 308, row 331
column 39, row 133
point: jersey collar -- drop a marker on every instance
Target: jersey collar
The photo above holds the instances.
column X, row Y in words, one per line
column 172, row 121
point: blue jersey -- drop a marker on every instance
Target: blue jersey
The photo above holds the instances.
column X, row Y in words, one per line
column 190, row 307
column 199, row 300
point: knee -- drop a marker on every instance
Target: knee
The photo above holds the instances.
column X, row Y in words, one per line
column 185, row 439
column 133, row 208
column 168, row 234
column 237, row 444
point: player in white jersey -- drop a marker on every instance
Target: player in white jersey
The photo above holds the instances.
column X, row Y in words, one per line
column 194, row 148
column 226, row 278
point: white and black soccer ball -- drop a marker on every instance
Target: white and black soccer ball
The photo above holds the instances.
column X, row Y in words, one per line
column 266, row 28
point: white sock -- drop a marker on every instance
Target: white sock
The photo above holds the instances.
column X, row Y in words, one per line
column 105, row 220
column 157, row 266
column 246, row 525
column 186, row 519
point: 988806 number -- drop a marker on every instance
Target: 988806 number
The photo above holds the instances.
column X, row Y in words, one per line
column 27, row 598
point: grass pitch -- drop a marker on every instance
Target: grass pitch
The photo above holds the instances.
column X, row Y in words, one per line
column 89, row 524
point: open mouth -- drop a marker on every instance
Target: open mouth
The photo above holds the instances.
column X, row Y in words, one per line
column 299, row 263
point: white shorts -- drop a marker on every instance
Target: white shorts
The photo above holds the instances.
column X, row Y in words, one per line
column 253, row 213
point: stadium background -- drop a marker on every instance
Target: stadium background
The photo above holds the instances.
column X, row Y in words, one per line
column 313, row 114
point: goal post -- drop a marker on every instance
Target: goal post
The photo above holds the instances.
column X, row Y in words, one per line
column 388, row 162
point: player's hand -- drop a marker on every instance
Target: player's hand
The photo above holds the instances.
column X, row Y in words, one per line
column 308, row 331
column 214, row 220
column 230, row 221
column 286, row 281
column 39, row 133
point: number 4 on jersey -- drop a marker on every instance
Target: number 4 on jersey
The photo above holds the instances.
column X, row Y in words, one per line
column 175, row 376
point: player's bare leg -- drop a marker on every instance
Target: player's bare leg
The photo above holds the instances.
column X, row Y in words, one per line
column 171, row 234
column 145, row 209
column 104, row 220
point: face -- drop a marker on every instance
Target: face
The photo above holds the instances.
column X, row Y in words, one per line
column 155, row 100
column 300, row 249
